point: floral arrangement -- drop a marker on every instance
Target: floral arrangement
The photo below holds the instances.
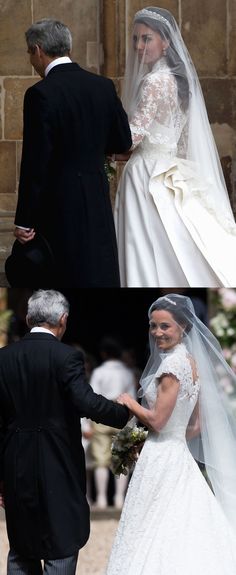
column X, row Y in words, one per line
column 223, row 325
column 110, row 168
column 125, row 449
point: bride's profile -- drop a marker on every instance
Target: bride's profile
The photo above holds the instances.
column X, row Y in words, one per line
column 174, row 222
column 174, row 520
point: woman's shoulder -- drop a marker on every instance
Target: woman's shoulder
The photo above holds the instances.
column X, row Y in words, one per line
column 174, row 362
column 159, row 80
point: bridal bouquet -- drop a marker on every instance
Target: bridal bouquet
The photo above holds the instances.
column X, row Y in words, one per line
column 110, row 168
column 125, row 448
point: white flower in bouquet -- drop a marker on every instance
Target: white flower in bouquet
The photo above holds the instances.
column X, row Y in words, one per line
column 110, row 168
column 125, row 447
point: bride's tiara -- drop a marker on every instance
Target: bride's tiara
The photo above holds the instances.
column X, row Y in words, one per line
column 149, row 14
column 169, row 300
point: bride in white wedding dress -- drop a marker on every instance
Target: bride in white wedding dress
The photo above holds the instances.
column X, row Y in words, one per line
column 172, row 522
column 174, row 222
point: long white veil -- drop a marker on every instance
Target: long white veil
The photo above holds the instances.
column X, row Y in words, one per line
column 216, row 444
column 187, row 125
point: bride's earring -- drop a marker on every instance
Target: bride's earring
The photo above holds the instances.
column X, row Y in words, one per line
column 164, row 52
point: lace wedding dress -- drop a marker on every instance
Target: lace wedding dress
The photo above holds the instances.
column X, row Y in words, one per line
column 171, row 523
column 171, row 231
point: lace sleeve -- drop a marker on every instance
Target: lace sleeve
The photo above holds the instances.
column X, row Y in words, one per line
column 179, row 365
column 158, row 100
column 171, row 366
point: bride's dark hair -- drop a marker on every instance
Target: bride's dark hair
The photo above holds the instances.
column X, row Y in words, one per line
column 173, row 59
column 180, row 311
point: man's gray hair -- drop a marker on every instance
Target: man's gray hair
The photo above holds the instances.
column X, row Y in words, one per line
column 51, row 35
column 46, row 306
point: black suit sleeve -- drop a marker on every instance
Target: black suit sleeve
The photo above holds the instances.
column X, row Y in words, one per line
column 88, row 403
column 2, row 436
column 36, row 157
column 120, row 139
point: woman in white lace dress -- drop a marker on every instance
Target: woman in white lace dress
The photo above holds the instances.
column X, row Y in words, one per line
column 173, row 522
column 174, row 223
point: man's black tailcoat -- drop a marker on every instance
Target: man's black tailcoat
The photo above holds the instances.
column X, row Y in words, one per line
column 72, row 118
column 43, row 394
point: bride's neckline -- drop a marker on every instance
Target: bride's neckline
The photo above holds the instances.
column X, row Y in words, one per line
column 161, row 64
column 177, row 347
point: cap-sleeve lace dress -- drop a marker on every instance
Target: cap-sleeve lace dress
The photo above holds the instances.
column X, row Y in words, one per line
column 171, row 523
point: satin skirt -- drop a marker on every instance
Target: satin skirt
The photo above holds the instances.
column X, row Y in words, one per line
column 168, row 233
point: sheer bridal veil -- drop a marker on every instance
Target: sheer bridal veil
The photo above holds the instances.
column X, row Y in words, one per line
column 216, row 444
column 195, row 143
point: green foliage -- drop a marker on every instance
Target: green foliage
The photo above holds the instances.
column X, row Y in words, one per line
column 110, row 168
column 125, row 449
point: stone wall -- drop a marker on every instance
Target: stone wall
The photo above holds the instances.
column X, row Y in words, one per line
column 208, row 27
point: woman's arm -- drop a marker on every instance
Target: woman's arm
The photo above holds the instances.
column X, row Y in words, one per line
column 157, row 417
column 193, row 429
column 145, row 111
column 157, row 100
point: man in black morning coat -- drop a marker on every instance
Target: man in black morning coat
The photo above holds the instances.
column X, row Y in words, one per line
column 43, row 394
column 72, row 118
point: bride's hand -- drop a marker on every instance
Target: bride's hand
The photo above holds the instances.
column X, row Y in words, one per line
column 122, row 157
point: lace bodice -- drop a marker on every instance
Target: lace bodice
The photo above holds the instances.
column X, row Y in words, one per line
column 176, row 362
column 158, row 120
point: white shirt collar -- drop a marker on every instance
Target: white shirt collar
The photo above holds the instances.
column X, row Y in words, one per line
column 61, row 60
column 42, row 330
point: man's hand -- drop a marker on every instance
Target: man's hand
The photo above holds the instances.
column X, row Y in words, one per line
column 87, row 434
column 125, row 399
column 122, row 157
column 24, row 236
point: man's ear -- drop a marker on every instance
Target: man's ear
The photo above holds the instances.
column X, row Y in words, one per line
column 63, row 320
column 27, row 321
column 40, row 53
column 37, row 50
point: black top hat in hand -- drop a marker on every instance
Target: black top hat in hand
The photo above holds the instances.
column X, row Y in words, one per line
column 31, row 264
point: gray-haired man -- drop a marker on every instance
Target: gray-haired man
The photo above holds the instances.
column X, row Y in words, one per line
column 43, row 394
column 72, row 119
